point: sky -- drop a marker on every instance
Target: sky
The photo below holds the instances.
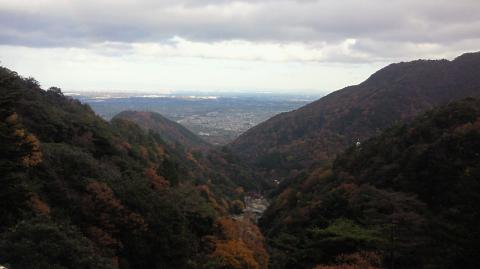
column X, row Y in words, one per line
column 303, row 46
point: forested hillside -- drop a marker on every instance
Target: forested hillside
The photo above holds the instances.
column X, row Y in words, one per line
column 170, row 131
column 315, row 133
column 144, row 192
column 80, row 192
column 408, row 198
column 218, row 165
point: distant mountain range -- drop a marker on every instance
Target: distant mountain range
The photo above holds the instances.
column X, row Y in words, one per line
column 315, row 133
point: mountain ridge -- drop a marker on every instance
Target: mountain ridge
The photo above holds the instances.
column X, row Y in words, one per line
column 170, row 131
column 408, row 197
column 315, row 133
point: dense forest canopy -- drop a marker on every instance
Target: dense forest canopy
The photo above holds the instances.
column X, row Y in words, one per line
column 409, row 198
column 80, row 192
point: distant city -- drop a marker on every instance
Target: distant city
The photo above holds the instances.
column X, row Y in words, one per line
column 218, row 118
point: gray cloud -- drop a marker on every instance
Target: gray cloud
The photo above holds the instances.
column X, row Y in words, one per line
column 380, row 27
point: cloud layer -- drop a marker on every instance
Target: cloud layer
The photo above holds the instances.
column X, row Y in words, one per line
column 296, row 30
column 226, row 44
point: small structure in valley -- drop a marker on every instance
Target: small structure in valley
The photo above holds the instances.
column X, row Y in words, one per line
column 357, row 144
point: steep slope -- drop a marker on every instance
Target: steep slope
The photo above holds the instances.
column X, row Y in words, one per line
column 318, row 131
column 223, row 169
column 170, row 131
column 80, row 192
column 409, row 198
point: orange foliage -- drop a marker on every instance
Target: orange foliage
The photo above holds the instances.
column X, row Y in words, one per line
column 190, row 157
column 358, row 260
column 126, row 145
column 234, row 254
column 39, row 206
column 34, row 156
column 157, row 182
column 109, row 210
column 246, row 232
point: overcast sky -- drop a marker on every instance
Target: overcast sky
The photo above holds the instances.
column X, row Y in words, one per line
column 256, row 45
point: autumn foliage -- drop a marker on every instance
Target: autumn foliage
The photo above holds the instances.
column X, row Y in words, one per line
column 110, row 212
column 39, row 205
column 234, row 254
column 157, row 182
column 80, row 192
column 410, row 195
column 239, row 244
column 358, row 260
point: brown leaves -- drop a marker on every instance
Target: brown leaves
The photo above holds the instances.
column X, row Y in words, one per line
column 29, row 144
column 157, row 182
column 12, row 119
column 35, row 156
column 39, row 206
column 358, row 260
column 240, row 243
column 234, row 254
column 110, row 212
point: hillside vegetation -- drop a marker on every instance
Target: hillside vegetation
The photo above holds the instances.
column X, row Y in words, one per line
column 316, row 133
column 382, row 174
column 80, row 192
column 408, row 198
column 218, row 165
column 170, row 131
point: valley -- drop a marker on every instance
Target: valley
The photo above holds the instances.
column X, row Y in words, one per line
column 239, row 134
column 217, row 119
column 115, row 184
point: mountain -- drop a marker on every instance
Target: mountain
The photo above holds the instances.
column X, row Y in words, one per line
column 318, row 131
column 80, row 192
column 408, row 198
column 170, row 131
column 219, row 166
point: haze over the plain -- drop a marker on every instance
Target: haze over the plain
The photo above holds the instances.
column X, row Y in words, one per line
column 281, row 45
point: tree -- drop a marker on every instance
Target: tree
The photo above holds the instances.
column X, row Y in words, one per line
column 55, row 90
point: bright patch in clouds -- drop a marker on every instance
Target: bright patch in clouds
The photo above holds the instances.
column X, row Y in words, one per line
column 145, row 67
column 247, row 50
